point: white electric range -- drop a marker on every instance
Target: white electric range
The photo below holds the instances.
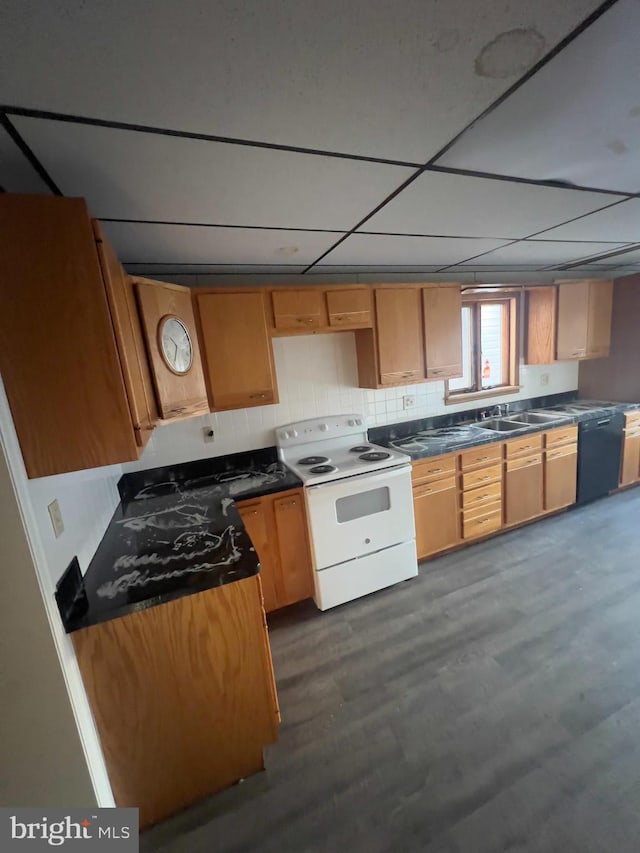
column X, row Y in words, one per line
column 359, row 506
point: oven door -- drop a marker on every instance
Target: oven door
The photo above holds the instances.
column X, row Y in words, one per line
column 359, row 515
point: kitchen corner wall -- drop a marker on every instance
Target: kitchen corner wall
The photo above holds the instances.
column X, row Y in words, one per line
column 317, row 375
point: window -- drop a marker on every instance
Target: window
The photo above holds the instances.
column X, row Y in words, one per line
column 489, row 349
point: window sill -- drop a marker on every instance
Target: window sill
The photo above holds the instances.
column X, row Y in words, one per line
column 457, row 399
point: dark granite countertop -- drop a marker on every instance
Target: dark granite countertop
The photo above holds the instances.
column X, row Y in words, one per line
column 449, row 434
column 176, row 532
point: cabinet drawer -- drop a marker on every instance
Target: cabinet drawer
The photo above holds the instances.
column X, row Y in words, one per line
column 562, row 435
column 482, row 496
column 434, row 486
column 524, row 446
column 559, row 452
column 486, row 522
column 483, row 455
column 482, row 477
column 524, row 461
column 349, row 307
column 401, row 377
column 430, row 469
column 632, row 419
column 299, row 309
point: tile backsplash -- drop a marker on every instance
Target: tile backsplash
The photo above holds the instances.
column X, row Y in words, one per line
column 317, row 375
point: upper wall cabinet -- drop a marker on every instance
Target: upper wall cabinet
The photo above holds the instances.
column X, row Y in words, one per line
column 417, row 335
column 584, row 319
column 171, row 336
column 567, row 322
column 237, row 351
column 442, row 308
column 296, row 311
column 68, row 353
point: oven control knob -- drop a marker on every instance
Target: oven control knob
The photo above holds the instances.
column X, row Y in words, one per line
column 324, row 427
column 351, row 422
column 293, row 433
column 358, row 422
column 286, row 434
column 367, row 541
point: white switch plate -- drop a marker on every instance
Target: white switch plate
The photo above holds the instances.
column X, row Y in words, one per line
column 56, row 518
column 408, row 401
column 544, row 378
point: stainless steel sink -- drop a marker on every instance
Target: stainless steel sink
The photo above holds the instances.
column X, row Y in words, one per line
column 533, row 418
column 499, row 425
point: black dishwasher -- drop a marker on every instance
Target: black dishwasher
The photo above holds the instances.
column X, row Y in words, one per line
column 599, row 448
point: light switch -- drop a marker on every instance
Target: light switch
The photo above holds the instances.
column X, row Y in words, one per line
column 56, row 518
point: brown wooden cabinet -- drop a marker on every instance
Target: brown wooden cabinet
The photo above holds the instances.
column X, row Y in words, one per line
column 294, row 310
column 435, row 504
column 237, row 349
column 177, row 395
column 630, row 462
column 129, row 338
column 350, row 307
column 560, row 477
column 584, row 319
column 540, row 325
column 523, row 488
column 277, row 526
column 182, row 695
column 442, row 314
column 399, row 335
column 69, row 364
column 481, row 490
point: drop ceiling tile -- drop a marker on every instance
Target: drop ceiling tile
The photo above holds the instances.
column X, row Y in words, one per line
column 367, row 77
column 543, row 252
column 458, row 205
column 620, row 223
column 375, row 250
column 577, row 119
column 153, row 245
column 125, row 174
column 17, row 175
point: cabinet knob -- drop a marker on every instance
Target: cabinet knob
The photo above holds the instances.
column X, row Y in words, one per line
column 257, row 396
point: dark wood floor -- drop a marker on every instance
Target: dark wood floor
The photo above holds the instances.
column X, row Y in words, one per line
column 493, row 704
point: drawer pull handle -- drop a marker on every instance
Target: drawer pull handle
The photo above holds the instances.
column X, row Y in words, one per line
column 304, row 320
column 483, row 458
column 484, row 521
column 483, row 479
column 257, row 396
column 435, row 470
column 436, row 372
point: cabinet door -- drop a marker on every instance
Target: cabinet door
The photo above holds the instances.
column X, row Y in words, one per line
column 523, row 489
column 599, row 323
column 238, row 357
column 573, row 319
column 442, row 307
column 297, row 310
column 400, row 339
column 254, row 517
column 540, row 325
column 58, row 355
column 126, row 324
column 177, row 394
column 437, row 517
column 296, row 574
column 349, row 308
column 561, row 468
column 630, row 466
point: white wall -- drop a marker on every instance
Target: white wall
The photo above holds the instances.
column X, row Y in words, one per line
column 317, row 375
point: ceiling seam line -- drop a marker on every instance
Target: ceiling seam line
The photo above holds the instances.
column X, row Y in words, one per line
column 576, row 218
column 28, row 154
column 68, row 118
column 562, row 44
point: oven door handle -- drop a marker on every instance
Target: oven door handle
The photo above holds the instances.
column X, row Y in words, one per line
column 357, row 480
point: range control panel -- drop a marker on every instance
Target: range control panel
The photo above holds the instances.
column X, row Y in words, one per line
column 320, row 429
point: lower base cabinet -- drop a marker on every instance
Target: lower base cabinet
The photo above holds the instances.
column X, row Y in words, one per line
column 277, row 526
column 523, row 489
column 435, row 507
column 561, row 474
column 182, row 695
column 630, row 463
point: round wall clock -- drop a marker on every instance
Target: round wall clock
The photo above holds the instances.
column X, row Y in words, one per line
column 175, row 344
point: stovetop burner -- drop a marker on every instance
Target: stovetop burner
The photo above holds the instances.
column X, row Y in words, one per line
column 313, row 460
column 360, row 448
column 375, row 456
column 323, row 469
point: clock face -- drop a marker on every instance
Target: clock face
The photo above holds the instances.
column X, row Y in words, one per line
column 175, row 344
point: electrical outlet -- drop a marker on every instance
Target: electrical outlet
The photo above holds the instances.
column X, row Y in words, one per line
column 544, row 378
column 408, row 401
column 56, row 518
column 208, row 434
